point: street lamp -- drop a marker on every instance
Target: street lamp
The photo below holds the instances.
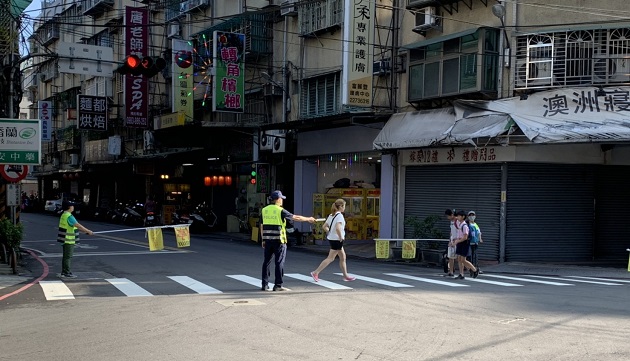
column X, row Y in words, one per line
column 268, row 77
column 499, row 11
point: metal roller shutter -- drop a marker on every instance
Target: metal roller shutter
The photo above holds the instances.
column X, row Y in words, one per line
column 429, row 190
column 549, row 212
column 612, row 198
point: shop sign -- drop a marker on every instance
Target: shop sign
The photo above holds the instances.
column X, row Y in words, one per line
column 20, row 141
column 92, row 112
column 169, row 120
column 263, row 178
column 432, row 156
column 228, row 91
column 45, row 115
column 358, row 57
column 182, row 85
column 136, row 86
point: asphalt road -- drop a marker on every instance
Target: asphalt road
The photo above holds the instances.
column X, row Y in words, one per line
column 196, row 304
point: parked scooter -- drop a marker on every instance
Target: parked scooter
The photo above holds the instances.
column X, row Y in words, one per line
column 151, row 219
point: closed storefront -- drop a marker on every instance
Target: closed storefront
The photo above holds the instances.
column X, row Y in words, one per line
column 612, row 199
column 550, row 212
column 430, row 190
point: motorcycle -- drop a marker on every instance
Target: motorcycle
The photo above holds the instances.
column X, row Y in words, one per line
column 151, row 220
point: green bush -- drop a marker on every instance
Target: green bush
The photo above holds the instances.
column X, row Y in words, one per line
column 11, row 233
column 425, row 229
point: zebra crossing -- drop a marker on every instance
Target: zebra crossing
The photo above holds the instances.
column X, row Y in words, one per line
column 54, row 290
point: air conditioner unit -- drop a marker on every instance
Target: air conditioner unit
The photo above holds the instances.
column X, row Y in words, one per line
column 280, row 141
column 173, row 30
column 530, row 75
column 425, row 19
column 381, row 67
column 270, row 89
column 287, row 8
column 265, row 140
column 611, row 69
column 74, row 160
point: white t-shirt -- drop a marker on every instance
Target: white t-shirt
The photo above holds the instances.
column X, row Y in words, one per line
column 332, row 234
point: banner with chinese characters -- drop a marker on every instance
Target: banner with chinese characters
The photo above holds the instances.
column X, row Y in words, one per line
column 45, row 117
column 568, row 115
column 136, row 86
column 156, row 239
column 358, row 54
column 457, row 155
column 92, row 112
column 409, row 249
column 182, row 235
column 228, row 91
column 382, row 249
column 182, row 85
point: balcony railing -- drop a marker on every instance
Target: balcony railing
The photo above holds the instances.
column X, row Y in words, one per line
column 49, row 33
column 316, row 17
column 189, row 5
column 96, row 7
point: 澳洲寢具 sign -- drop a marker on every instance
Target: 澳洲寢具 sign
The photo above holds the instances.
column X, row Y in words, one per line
column 20, row 141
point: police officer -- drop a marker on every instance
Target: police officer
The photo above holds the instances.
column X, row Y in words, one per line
column 68, row 235
column 274, row 238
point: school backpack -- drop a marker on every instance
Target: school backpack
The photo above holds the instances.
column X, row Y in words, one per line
column 473, row 233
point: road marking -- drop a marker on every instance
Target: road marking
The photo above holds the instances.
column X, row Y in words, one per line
column 505, row 284
column 323, row 283
column 128, row 288
column 194, row 285
column 113, row 253
column 601, row 279
column 56, row 290
column 427, row 280
column 572, row 280
column 528, row 280
column 378, row 281
column 247, row 279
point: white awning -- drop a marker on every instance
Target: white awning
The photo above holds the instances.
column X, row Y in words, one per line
column 579, row 115
column 438, row 127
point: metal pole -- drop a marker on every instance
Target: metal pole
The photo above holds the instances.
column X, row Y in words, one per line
column 285, row 77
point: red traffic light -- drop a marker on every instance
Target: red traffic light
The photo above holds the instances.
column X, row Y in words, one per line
column 132, row 61
column 252, row 181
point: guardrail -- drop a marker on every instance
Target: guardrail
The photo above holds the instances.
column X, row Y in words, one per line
column 429, row 250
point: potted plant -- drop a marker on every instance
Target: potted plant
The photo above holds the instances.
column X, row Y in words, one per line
column 11, row 235
column 426, row 231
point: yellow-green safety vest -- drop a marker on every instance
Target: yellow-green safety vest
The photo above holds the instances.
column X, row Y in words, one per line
column 273, row 227
column 67, row 234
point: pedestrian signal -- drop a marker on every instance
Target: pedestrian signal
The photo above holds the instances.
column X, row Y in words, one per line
column 252, row 178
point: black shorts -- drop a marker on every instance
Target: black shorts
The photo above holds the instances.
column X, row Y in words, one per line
column 462, row 249
column 335, row 245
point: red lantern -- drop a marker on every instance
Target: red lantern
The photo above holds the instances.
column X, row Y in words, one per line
column 71, row 176
column 215, row 180
column 76, row 175
column 221, row 180
column 207, row 181
column 228, row 180
column 65, row 176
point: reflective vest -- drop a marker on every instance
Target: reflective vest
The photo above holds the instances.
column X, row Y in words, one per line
column 67, row 234
column 273, row 227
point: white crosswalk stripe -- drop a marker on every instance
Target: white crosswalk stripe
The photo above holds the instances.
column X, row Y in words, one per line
column 601, row 279
column 504, row 284
column 323, row 283
column 194, row 285
column 427, row 280
column 378, row 281
column 128, row 288
column 247, row 279
column 580, row 281
column 56, row 290
column 528, row 280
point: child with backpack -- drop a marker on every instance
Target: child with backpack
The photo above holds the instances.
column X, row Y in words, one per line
column 475, row 239
column 462, row 244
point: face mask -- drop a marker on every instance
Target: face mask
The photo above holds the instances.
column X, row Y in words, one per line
column 472, row 218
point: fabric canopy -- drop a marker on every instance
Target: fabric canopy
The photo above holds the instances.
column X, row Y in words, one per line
column 438, row 127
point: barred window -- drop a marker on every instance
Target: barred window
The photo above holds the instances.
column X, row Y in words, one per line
column 320, row 96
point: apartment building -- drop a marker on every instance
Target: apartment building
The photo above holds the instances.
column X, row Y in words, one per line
column 404, row 107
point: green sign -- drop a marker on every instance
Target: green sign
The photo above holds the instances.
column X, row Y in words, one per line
column 228, row 91
column 20, row 141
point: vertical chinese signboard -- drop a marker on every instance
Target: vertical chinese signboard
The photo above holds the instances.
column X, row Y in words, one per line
column 228, row 92
column 358, row 57
column 182, row 78
column 45, row 114
column 136, row 86
column 92, row 112
column 263, row 178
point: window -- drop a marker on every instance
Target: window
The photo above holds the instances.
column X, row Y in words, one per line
column 320, row 96
column 454, row 66
column 573, row 58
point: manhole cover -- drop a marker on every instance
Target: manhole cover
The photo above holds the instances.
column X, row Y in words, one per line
column 240, row 302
